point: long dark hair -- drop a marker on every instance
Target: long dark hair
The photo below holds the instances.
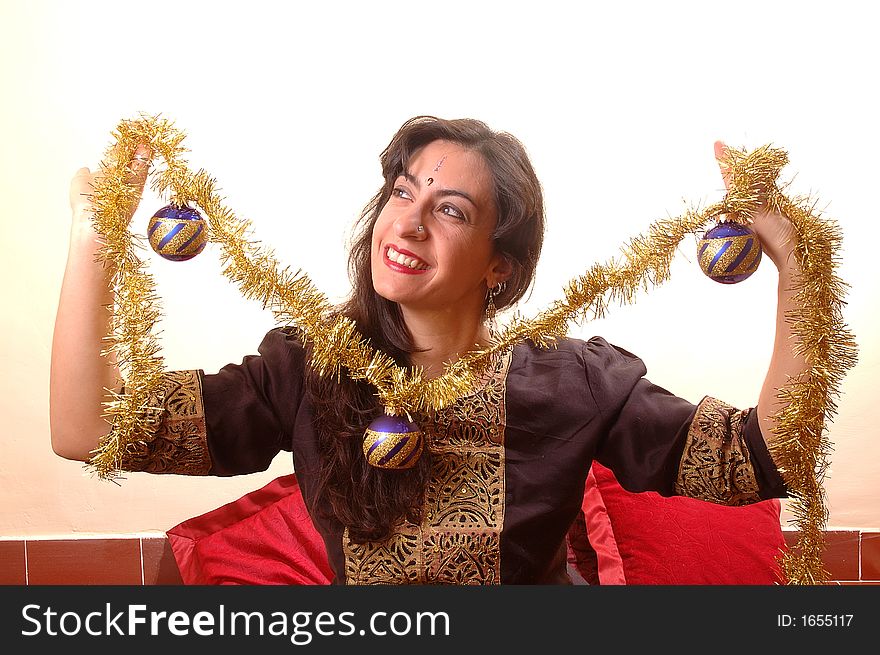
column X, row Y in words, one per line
column 366, row 499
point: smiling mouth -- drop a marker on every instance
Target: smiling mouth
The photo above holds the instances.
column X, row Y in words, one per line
column 413, row 263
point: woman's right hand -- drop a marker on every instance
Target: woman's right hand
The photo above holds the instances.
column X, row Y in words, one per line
column 84, row 181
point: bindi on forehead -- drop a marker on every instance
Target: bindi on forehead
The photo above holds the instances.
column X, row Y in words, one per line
column 430, row 180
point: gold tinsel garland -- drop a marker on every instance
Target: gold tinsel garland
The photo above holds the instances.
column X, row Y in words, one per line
column 800, row 447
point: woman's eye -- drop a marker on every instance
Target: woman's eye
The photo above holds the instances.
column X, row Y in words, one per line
column 400, row 192
column 449, row 210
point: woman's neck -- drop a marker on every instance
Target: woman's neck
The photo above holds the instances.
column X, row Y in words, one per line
column 443, row 336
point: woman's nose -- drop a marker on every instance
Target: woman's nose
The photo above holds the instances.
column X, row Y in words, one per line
column 411, row 225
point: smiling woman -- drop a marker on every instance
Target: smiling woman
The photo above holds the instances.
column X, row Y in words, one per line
column 454, row 233
column 440, row 275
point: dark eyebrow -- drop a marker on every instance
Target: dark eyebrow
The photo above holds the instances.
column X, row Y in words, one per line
column 412, row 179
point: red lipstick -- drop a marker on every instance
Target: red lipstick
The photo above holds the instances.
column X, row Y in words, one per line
column 400, row 268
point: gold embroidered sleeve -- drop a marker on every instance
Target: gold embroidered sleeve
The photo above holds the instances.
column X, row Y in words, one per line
column 178, row 441
column 716, row 465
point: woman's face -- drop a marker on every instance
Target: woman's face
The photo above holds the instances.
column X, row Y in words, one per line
column 449, row 263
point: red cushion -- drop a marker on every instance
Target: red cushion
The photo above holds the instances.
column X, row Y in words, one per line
column 649, row 539
column 265, row 537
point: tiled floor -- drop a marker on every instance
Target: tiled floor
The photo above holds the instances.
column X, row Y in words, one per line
column 851, row 557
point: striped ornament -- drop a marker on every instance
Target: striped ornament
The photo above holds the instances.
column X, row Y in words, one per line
column 393, row 442
column 729, row 252
column 177, row 233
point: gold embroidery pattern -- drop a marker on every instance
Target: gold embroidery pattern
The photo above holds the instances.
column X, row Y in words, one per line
column 395, row 561
column 463, row 557
column 715, row 465
column 462, row 493
column 459, row 540
column 178, row 443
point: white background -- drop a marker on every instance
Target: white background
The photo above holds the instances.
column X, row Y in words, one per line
column 289, row 104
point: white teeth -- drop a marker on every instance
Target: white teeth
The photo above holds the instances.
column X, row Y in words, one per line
column 403, row 260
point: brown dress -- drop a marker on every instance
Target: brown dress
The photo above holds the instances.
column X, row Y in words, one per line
column 509, row 461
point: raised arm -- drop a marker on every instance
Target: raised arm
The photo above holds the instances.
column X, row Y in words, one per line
column 778, row 239
column 79, row 376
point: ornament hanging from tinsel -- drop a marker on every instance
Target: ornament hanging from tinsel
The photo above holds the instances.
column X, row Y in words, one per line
column 393, row 442
column 729, row 252
column 177, row 232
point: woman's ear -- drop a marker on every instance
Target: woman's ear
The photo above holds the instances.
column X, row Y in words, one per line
column 499, row 271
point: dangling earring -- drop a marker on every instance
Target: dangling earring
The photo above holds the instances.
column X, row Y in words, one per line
column 491, row 310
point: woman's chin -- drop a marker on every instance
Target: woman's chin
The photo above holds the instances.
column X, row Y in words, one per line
column 392, row 294
column 401, row 293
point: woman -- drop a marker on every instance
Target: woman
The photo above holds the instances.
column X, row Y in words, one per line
column 454, row 233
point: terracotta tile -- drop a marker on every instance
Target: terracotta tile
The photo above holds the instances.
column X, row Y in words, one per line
column 841, row 557
column 870, row 555
column 160, row 567
column 84, row 562
column 12, row 569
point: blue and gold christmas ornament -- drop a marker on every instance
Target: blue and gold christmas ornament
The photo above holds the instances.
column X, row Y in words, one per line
column 393, row 442
column 729, row 252
column 177, row 232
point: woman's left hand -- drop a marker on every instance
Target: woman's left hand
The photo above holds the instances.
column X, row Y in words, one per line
column 775, row 231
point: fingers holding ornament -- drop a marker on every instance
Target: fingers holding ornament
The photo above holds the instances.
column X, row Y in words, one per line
column 751, row 217
column 729, row 252
column 176, row 232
